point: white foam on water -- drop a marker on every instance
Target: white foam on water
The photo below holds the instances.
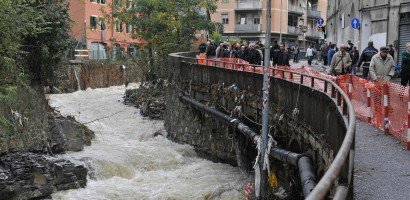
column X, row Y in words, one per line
column 127, row 162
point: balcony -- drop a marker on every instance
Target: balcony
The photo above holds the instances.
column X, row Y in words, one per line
column 295, row 9
column 243, row 5
column 313, row 13
column 293, row 30
column 314, row 34
column 248, row 28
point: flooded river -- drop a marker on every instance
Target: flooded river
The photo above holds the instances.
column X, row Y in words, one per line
column 127, row 162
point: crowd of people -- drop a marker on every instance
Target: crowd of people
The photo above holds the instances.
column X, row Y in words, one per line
column 373, row 63
column 252, row 53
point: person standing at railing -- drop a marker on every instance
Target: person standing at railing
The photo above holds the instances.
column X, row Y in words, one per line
column 211, row 50
column 341, row 61
column 354, row 55
column 254, row 56
column 330, row 52
column 382, row 65
column 405, row 66
column 274, row 53
column 284, row 56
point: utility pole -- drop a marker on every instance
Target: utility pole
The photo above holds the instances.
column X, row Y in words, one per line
column 280, row 25
column 265, row 103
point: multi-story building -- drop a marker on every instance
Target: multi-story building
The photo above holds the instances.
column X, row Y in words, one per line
column 246, row 20
column 93, row 32
column 382, row 21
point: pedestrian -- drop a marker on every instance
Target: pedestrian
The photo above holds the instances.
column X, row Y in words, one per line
column 241, row 52
column 274, row 53
column 254, row 55
column 405, row 66
column 258, row 48
column 323, row 51
column 202, row 47
column 382, row 66
column 224, row 52
column 392, row 51
column 211, row 50
column 283, row 56
column 330, row 53
column 365, row 58
column 350, row 47
column 309, row 55
column 354, row 55
column 296, row 54
column 341, row 61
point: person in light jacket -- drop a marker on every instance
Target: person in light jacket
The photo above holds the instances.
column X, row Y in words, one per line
column 341, row 61
column 382, row 66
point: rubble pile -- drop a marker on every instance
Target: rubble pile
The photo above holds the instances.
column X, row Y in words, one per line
column 149, row 98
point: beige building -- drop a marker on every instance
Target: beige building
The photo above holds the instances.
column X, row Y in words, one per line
column 246, row 20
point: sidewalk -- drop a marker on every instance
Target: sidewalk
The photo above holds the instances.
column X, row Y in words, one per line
column 382, row 165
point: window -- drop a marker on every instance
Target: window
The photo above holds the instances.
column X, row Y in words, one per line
column 292, row 20
column 103, row 1
column 93, row 22
column 242, row 19
column 225, row 1
column 256, row 20
column 118, row 26
column 128, row 28
column 225, row 18
column 97, row 51
column 103, row 26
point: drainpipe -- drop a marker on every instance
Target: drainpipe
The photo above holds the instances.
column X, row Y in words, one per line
column 302, row 162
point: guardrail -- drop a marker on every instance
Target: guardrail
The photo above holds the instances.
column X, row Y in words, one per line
column 339, row 175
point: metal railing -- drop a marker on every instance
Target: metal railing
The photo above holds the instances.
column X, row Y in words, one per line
column 247, row 27
column 314, row 33
column 345, row 154
column 295, row 9
column 294, row 30
column 248, row 4
column 313, row 13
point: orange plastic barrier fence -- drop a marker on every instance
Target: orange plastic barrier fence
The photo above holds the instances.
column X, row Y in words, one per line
column 384, row 104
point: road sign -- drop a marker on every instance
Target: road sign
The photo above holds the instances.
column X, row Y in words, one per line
column 355, row 23
column 320, row 21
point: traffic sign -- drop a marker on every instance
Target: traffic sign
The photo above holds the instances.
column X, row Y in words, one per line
column 320, row 21
column 355, row 23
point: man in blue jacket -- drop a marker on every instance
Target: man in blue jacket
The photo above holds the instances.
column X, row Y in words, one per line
column 330, row 53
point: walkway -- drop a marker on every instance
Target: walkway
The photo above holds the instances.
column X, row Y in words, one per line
column 382, row 166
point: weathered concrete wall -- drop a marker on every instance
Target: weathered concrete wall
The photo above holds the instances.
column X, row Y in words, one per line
column 317, row 129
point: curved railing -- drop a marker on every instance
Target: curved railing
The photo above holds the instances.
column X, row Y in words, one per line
column 345, row 154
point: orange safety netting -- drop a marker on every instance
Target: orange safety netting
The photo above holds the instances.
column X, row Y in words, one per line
column 398, row 96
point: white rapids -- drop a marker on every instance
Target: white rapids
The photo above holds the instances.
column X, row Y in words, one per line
column 127, row 162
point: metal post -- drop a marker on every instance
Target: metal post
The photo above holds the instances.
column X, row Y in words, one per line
column 280, row 26
column 265, row 112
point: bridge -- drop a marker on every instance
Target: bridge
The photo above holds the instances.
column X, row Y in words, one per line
column 310, row 117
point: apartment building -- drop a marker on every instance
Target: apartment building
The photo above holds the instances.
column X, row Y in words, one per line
column 246, row 20
column 93, row 32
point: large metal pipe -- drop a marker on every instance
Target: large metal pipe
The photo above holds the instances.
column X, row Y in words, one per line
column 306, row 170
column 234, row 123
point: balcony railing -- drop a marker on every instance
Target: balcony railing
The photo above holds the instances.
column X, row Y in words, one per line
column 248, row 28
column 312, row 13
column 249, row 5
column 314, row 33
column 293, row 30
column 295, row 9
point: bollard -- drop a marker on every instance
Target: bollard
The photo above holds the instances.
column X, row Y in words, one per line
column 350, row 86
column 369, row 107
column 386, row 108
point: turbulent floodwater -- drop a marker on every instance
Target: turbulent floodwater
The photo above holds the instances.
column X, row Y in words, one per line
column 127, row 162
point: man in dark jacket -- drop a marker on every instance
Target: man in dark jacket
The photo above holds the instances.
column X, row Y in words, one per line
column 366, row 57
column 211, row 50
column 284, row 56
column 274, row 53
column 254, row 55
column 202, row 47
column 405, row 66
column 354, row 54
